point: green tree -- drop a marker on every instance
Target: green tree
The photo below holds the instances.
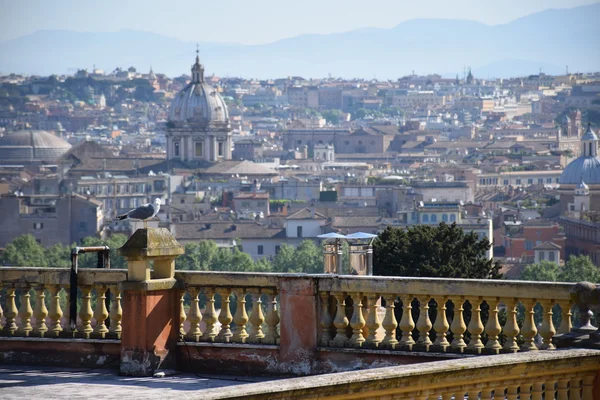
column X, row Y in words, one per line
column 308, row 258
column 332, row 116
column 444, row 251
column 360, row 113
column 58, row 256
column 576, row 269
column 544, row 271
column 114, row 242
column 284, row 260
column 197, row 256
column 24, row 251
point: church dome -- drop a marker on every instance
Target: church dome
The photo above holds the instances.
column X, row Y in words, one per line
column 585, row 168
column 199, row 101
column 32, row 146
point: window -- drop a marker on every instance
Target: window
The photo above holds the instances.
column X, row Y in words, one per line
column 518, row 181
column 245, row 204
column 548, row 180
column 277, row 249
column 433, row 218
column 551, row 256
column 299, row 231
column 528, row 245
column 445, row 217
column 542, row 256
column 530, row 181
column 199, row 149
column 221, row 149
column 452, row 218
column 176, row 149
column 541, row 181
column 506, row 182
column 260, row 250
column 182, row 201
column 38, row 226
column 425, row 218
column 82, row 226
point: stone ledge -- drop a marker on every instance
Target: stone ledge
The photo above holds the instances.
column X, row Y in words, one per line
column 230, row 345
column 387, row 352
column 150, row 285
column 57, row 340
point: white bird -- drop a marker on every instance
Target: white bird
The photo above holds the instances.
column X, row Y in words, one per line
column 142, row 213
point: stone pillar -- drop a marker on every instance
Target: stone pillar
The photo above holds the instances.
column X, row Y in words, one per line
column 298, row 324
column 150, row 301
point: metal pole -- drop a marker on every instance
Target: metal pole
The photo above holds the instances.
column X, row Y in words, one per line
column 338, row 249
column 73, row 290
column 369, row 260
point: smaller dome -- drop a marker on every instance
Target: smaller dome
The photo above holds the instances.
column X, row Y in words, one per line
column 585, row 169
column 28, row 146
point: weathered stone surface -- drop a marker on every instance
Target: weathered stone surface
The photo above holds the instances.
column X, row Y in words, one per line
column 150, row 243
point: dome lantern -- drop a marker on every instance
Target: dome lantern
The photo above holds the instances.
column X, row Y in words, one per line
column 589, row 142
column 197, row 69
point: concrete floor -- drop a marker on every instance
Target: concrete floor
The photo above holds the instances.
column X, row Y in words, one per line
column 17, row 382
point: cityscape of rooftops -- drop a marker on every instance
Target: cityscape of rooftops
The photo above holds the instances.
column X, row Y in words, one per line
column 267, row 143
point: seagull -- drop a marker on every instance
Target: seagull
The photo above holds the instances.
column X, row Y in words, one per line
column 142, row 213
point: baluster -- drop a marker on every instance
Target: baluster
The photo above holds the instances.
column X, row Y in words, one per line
column 513, row 392
column 101, row 313
column 547, row 330
column 575, row 388
column 389, row 323
column 588, row 387
column 441, row 325
column 511, row 328
column 86, row 314
column 272, row 318
column 407, row 324
column 550, row 388
column 447, row 395
column 563, row 389
column 10, row 326
column 225, row 317
column 537, row 390
column 25, row 311
column 326, row 319
column 240, row 318
column 424, row 323
column 525, row 393
column 182, row 316
column 56, row 312
column 340, row 321
column 486, row 393
column 194, row 315
column 475, row 325
column 256, row 318
column 492, row 327
column 210, row 316
column 458, row 326
column 116, row 312
column 373, row 322
column 357, row 322
column 41, row 312
column 499, row 391
column 529, row 329
column 565, row 324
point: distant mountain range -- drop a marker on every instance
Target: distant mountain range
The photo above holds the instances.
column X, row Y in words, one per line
column 549, row 40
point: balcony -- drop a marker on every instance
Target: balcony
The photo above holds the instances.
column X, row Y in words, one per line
column 458, row 336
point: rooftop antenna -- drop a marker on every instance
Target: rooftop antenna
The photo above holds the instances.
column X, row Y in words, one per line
column 567, row 70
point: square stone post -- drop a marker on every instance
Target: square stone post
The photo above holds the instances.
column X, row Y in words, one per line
column 150, row 302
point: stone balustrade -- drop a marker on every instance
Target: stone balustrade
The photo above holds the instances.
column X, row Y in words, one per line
column 35, row 303
column 567, row 374
column 231, row 323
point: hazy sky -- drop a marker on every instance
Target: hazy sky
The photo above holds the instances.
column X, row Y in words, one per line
column 250, row 21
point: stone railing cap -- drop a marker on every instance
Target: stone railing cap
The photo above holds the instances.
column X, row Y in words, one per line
column 151, row 243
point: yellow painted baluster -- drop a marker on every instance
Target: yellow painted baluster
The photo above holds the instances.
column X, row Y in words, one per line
column 373, row 323
column 513, row 392
column 565, row 324
column 529, row 329
column 41, row 312
column 194, row 315
column 116, row 312
column 25, row 312
column 537, row 392
column 547, row 330
column 588, row 387
column 511, row 328
column 240, row 318
column 486, row 393
column 101, row 313
column 340, row 321
column 326, row 320
column 492, row 327
column 424, row 323
column 575, row 388
column 225, row 317
column 441, row 325
column 407, row 324
column 182, row 315
column 10, row 326
column 56, row 312
column 272, row 318
column 475, row 325
column 525, row 392
column 389, row 323
column 86, row 313
column 210, row 316
column 357, row 322
column 458, row 326
column 256, row 318
column 562, row 392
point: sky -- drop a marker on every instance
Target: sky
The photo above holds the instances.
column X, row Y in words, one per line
column 250, row 21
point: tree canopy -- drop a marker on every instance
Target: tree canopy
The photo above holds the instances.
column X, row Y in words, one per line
column 444, row 251
column 576, row 269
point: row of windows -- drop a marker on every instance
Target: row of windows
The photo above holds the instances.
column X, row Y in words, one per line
column 198, row 149
column 425, row 218
column 551, row 256
column 261, row 250
column 506, row 182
